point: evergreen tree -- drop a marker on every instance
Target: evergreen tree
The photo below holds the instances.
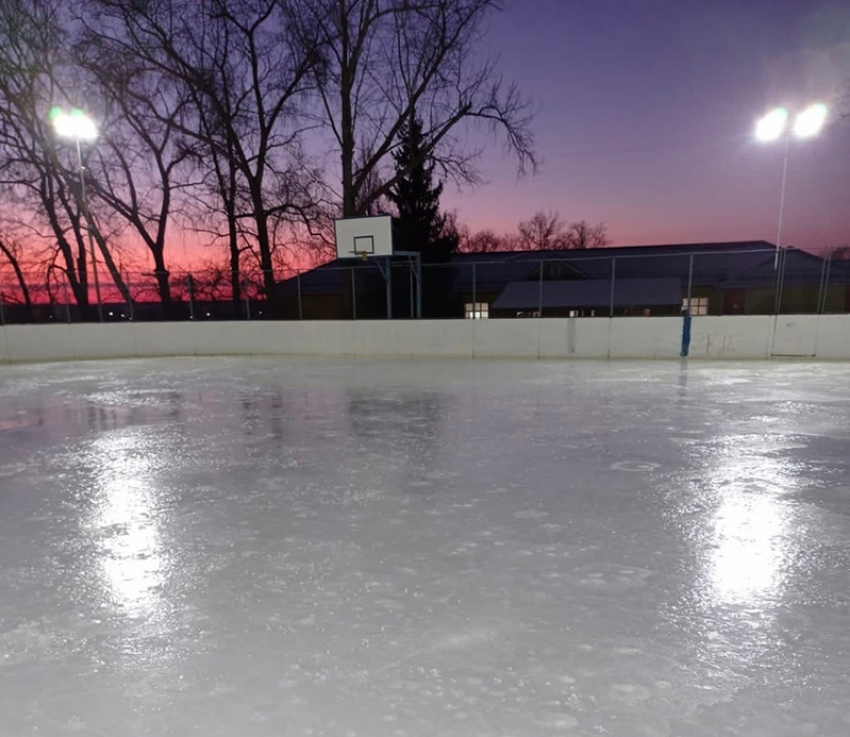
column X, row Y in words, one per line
column 419, row 225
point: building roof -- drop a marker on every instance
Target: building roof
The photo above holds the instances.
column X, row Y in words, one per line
column 738, row 264
column 529, row 295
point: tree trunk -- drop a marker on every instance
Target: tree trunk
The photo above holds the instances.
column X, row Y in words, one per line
column 269, row 284
column 117, row 279
column 19, row 274
column 162, row 282
column 235, row 286
column 349, row 196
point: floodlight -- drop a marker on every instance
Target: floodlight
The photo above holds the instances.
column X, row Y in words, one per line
column 772, row 126
column 810, row 122
column 75, row 125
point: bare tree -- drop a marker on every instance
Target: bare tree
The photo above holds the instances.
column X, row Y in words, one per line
column 379, row 60
column 839, row 253
column 142, row 151
column 31, row 174
column 544, row 231
column 582, row 235
column 484, row 241
column 11, row 251
column 234, row 60
column 36, row 172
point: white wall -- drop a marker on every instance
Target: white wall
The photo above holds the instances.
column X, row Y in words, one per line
column 742, row 336
column 732, row 337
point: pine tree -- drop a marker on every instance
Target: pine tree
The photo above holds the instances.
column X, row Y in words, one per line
column 419, row 225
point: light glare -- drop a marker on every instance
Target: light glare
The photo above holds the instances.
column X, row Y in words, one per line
column 75, row 125
column 772, row 126
column 810, row 121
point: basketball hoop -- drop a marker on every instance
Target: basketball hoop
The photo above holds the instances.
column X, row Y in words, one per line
column 364, row 237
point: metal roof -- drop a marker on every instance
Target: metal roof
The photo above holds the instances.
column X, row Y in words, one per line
column 526, row 295
column 719, row 265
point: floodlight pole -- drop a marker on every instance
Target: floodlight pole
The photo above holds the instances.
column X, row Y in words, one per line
column 782, row 200
column 85, row 204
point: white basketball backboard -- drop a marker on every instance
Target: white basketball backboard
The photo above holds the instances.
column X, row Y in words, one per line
column 364, row 237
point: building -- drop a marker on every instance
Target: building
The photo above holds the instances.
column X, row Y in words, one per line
column 748, row 277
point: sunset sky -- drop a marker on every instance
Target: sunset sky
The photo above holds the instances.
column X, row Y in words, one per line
column 646, row 116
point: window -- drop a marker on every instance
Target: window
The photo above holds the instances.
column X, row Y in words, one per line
column 477, row 310
column 699, row 305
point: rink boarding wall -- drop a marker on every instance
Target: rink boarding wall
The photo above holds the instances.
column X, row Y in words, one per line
column 738, row 337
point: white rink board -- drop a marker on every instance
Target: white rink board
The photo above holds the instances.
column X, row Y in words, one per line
column 744, row 337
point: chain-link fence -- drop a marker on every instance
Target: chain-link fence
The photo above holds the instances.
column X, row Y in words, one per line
column 621, row 282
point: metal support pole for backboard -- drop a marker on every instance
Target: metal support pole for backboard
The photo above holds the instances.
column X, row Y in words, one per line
column 388, row 265
column 613, row 282
column 2, row 315
column 540, row 292
column 690, row 282
column 247, row 299
column 353, row 295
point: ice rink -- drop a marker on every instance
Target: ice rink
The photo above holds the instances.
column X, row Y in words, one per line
column 246, row 547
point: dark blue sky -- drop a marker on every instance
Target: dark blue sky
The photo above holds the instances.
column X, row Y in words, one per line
column 646, row 114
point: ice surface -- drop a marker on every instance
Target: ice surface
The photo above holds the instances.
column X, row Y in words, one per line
column 241, row 547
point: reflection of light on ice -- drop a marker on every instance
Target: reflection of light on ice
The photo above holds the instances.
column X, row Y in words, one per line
column 132, row 559
column 749, row 553
column 751, row 529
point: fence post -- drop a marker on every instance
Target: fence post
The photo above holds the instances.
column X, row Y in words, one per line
column 613, row 281
column 827, row 275
column 821, row 287
column 129, row 292
column 780, row 281
column 539, row 292
column 474, row 293
column 420, row 281
column 191, row 284
column 353, row 294
column 67, row 301
column 300, row 302
column 2, row 313
column 410, row 286
column 690, row 282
